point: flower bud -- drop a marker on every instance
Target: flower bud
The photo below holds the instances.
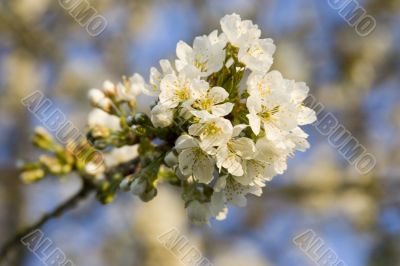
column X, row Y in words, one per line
column 171, row 159
column 130, row 120
column 148, row 195
column 161, row 116
column 109, row 89
column 179, row 174
column 198, row 213
column 33, row 175
column 105, row 104
column 94, row 168
column 141, row 118
column 100, row 132
column 95, row 96
column 43, row 140
column 53, row 165
column 125, row 184
column 138, row 186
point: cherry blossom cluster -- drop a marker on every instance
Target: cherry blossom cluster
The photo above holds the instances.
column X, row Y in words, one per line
column 221, row 122
column 234, row 133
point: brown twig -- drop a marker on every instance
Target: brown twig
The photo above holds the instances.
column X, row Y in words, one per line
column 87, row 188
column 69, row 204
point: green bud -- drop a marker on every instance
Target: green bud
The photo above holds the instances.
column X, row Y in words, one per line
column 138, row 186
column 53, row 165
column 130, row 120
column 33, row 175
column 171, row 159
column 125, row 184
column 104, row 186
column 148, row 195
column 141, row 119
column 100, row 132
column 43, row 140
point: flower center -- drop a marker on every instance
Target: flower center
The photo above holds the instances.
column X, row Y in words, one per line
column 182, row 94
column 267, row 114
column 200, row 64
column 255, row 50
column 203, row 104
column 211, row 129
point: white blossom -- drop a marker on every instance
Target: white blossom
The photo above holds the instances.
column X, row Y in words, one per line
column 239, row 32
column 153, row 89
column 193, row 161
column 257, row 55
column 129, row 89
column 98, row 117
column 231, row 154
column 206, row 57
column 236, row 122
column 254, row 52
column 209, row 99
column 161, row 116
column 270, row 106
column 175, row 89
column 233, row 192
column 212, row 130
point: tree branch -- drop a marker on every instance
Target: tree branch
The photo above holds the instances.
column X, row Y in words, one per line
column 69, row 204
column 87, row 188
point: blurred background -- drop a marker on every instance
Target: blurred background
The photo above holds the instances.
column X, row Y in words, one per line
column 42, row 47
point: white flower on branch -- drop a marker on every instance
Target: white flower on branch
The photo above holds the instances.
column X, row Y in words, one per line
column 193, row 161
column 222, row 124
column 206, row 57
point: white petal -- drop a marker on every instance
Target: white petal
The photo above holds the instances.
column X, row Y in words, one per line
column 200, row 88
column 229, row 25
column 220, row 184
column 239, row 200
column 273, row 133
column 233, row 166
column 255, row 190
column 166, row 67
column 280, row 166
column 185, row 142
column 218, row 205
column 254, row 103
column 244, row 179
column 203, row 169
column 196, row 129
column 222, row 109
column 306, row 116
column 255, row 122
column 229, row 161
column 238, row 129
column 299, row 92
column 183, row 50
column 218, row 94
column 244, row 147
column 203, row 115
column 222, row 154
column 208, row 143
column 161, row 116
column 186, row 161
